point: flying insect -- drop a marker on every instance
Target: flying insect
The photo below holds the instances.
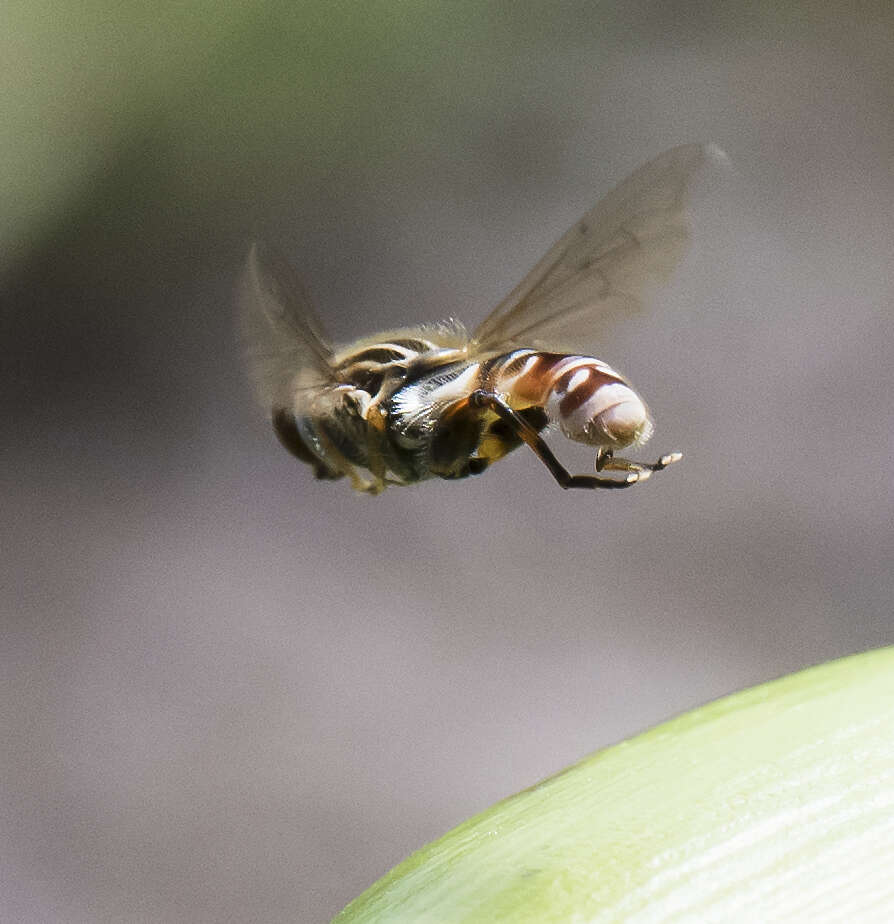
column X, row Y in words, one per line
column 436, row 400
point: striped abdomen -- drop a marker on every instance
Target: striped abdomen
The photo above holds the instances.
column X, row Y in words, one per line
column 589, row 401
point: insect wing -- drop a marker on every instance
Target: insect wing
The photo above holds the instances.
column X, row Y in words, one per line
column 285, row 344
column 606, row 263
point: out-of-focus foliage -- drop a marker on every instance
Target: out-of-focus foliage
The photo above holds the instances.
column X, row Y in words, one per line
column 213, row 104
column 220, row 99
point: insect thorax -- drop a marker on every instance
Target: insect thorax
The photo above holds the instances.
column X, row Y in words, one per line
column 348, row 424
column 382, row 362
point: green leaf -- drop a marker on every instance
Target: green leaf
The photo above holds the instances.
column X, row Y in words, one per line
column 775, row 804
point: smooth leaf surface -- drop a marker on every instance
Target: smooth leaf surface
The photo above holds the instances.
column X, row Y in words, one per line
column 774, row 804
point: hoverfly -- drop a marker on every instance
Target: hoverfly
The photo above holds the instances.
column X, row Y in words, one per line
column 436, row 401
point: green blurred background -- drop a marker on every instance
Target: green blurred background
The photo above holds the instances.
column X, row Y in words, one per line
column 231, row 693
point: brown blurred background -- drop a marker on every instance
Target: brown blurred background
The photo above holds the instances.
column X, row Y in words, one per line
column 231, row 693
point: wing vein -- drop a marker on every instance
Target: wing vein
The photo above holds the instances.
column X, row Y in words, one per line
column 609, row 261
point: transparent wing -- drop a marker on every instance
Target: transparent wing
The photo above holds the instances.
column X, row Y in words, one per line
column 605, row 264
column 284, row 341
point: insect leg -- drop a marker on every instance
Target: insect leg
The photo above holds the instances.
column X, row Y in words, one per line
column 377, row 419
column 528, row 435
column 607, row 462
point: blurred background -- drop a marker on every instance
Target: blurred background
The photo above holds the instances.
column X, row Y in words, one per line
column 232, row 693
